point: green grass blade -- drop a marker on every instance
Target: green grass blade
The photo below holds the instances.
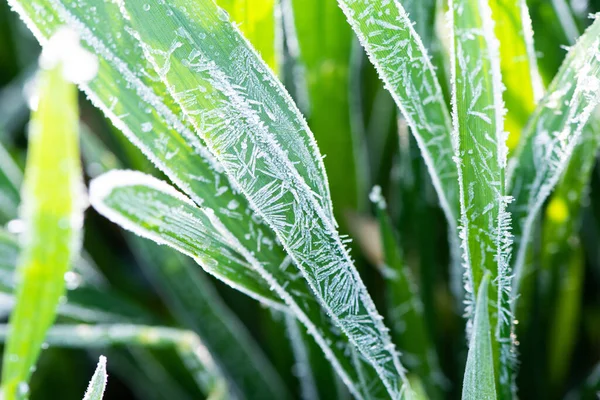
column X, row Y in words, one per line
column 405, row 307
column 156, row 128
column 396, row 50
column 422, row 12
column 194, row 302
column 140, row 204
column 117, row 202
column 518, row 63
column 10, row 182
column 551, row 135
column 257, row 21
column 479, row 373
column 95, row 390
column 260, row 139
column 308, row 385
column 52, row 213
column 325, row 43
column 562, row 262
column 481, row 157
column 188, row 345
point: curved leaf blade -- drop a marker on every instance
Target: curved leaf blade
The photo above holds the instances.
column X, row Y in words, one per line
column 140, row 205
column 262, row 142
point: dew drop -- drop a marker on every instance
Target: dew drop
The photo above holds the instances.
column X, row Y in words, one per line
column 222, row 14
column 146, row 7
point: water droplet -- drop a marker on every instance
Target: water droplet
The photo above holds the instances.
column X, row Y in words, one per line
column 146, row 127
column 72, row 280
column 23, row 389
column 222, row 14
column 146, row 7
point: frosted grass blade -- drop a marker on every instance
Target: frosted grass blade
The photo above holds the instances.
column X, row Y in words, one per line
column 186, row 343
column 405, row 307
column 479, row 373
column 422, row 12
column 95, row 390
column 481, row 157
column 143, row 208
column 325, row 43
column 53, row 215
column 10, row 182
column 262, row 142
column 396, row 50
column 257, row 20
column 116, row 201
column 194, row 302
column 156, row 127
column 550, row 137
column 518, row 64
column 562, row 263
column 304, row 372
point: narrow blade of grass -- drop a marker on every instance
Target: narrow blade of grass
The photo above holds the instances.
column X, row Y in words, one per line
column 479, row 373
column 396, row 50
column 258, row 136
column 518, row 63
column 325, row 44
column 95, row 390
column 562, row 258
column 188, row 345
column 52, row 213
column 304, row 372
column 194, row 302
column 257, row 21
column 481, row 156
column 550, row 137
column 405, row 307
column 119, row 201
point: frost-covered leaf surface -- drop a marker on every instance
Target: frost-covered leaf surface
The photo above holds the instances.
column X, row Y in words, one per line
column 481, row 156
column 518, row 63
column 387, row 34
column 52, row 214
column 97, row 385
column 193, row 300
column 550, row 137
column 479, row 373
column 154, row 210
column 258, row 136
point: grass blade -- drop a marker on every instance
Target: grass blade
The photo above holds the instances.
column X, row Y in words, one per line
column 481, row 156
column 551, row 135
column 142, row 204
column 118, row 201
column 262, row 142
column 325, row 44
column 52, row 214
column 405, row 307
column 187, row 344
column 479, row 373
column 257, row 21
column 396, row 50
column 194, row 302
column 95, row 390
column 518, row 64
column 562, row 258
